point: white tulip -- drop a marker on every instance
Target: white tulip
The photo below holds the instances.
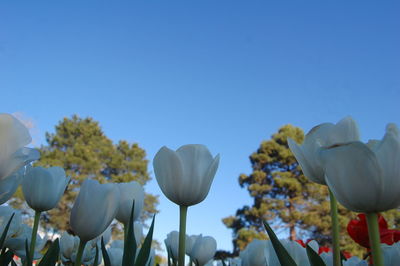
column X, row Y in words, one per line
column 9, row 185
column 323, row 135
column 391, row 254
column 295, row 250
column 43, row 187
column 94, row 209
column 116, row 256
column 365, row 177
column 190, row 240
column 15, row 225
column 13, row 137
column 17, row 242
column 185, row 176
column 69, row 248
column 254, row 253
column 129, row 192
column 203, row 249
column 353, row 261
column 172, row 244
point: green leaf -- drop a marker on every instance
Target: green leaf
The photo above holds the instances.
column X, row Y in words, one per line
column 28, row 260
column 314, row 258
column 106, row 258
column 145, row 250
column 283, row 256
column 128, row 258
column 96, row 259
column 4, row 234
column 6, row 258
column 51, row 256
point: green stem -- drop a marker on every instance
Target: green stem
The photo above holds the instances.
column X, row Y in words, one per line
column 335, row 229
column 34, row 234
column 182, row 234
column 80, row 253
column 374, row 238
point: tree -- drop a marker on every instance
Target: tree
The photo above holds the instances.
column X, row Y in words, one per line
column 285, row 198
column 81, row 148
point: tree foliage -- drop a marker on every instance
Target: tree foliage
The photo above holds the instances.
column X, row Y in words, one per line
column 80, row 146
column 285, row 198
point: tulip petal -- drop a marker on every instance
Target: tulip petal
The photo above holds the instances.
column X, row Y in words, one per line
column 196, row 160
column 13, row 135
column 313, row 173
column 388, row 154
column 353, row 174
column 167, row 167
column 346, row 130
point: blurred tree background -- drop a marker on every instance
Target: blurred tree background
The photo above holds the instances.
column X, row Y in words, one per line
column 80, row 146
column 285, row 198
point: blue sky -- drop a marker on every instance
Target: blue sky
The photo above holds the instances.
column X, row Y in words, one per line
column 226, row 74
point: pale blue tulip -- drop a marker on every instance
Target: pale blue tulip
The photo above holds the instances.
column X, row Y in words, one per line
column 185, row 175
column 323, row 135
column 203, row 250
column 94, row 209
column 365, row 177
column 129, row 192
column 43, row 187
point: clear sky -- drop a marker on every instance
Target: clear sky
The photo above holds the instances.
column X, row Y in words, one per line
column 226, row 74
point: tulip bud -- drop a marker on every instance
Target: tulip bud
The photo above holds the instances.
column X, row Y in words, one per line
column 69, row 248
column 185, row 176
column 203, row 249
column 18, row 241
column 43, row 187
column 15, row 225
column 172, row 244
column 253, row 254
column 295, row 250
column 323, row 135
column 9, row 185
column 115, row 255
column 94, row 209
column 129, row 192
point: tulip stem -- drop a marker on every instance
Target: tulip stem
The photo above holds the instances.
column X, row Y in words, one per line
column 81, row 247
column 374, row 238
column 182, row 234
column 34, row 233
column 335, row 229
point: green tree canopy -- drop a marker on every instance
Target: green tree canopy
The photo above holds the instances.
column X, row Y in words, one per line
column 80, row 146
column 285, row 198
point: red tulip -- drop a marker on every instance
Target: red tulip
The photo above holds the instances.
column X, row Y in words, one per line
column 358, row 231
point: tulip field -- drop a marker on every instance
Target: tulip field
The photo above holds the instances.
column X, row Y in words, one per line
column 363, row 177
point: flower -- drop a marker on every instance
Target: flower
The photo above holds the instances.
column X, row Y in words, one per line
column 9, row 185
column 69, row 248
column 391, row 254
column 115, row 255
column 189, row 243
column 13, row 137
column 203, row 249
column 17, row 242
column 295, row 250
column 358, row 231
column 94, row 209
column 254, row 253
column 129, row 192
column 351, row 261
column 43, row 187
column 185, row 176
column 5, row 214
column 365, row 177
column 323, row 135
column 172, row 244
